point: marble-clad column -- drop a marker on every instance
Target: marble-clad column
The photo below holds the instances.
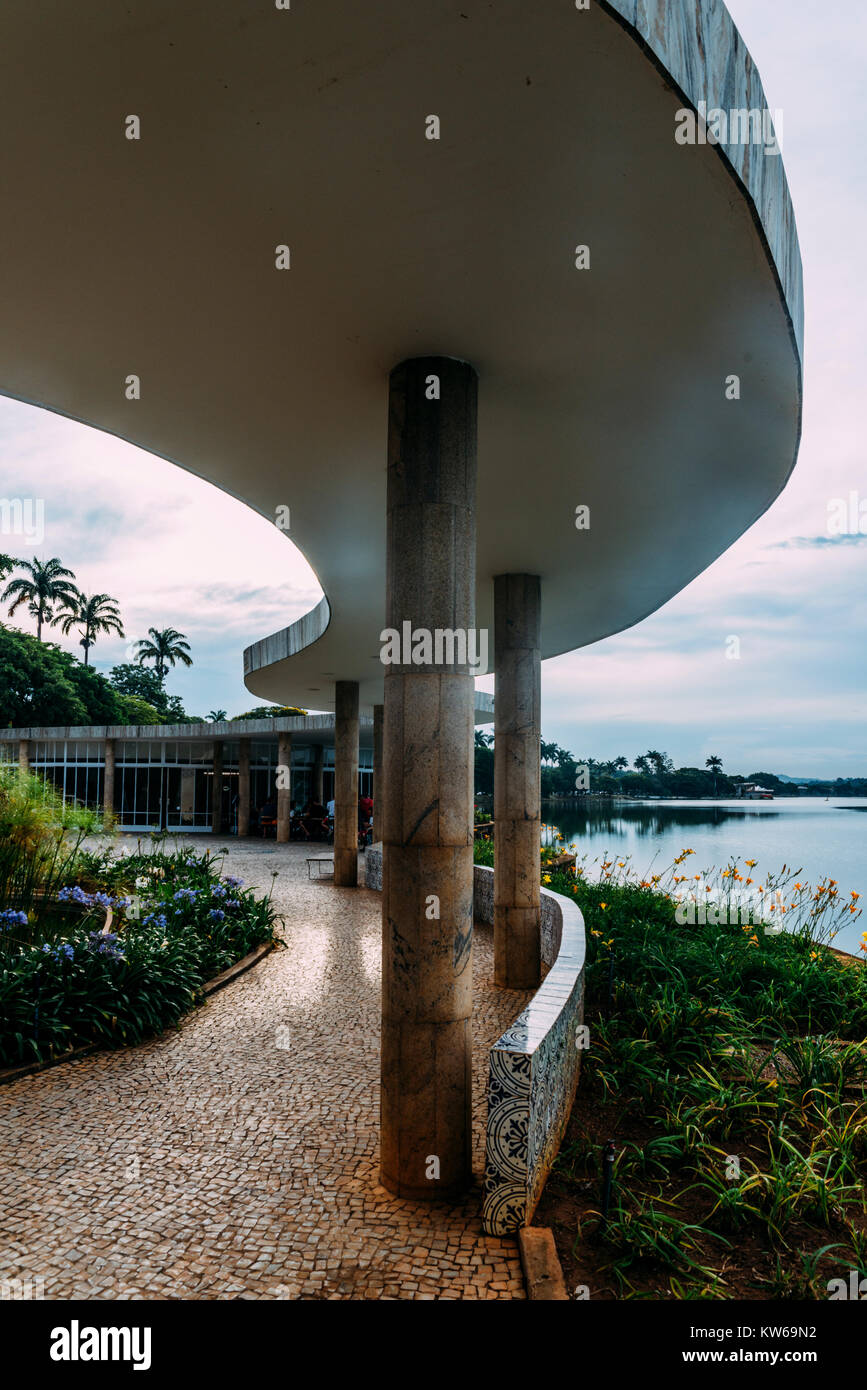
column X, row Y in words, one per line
column 243, row 787
column 517, row 780
column 346, row 784
column 316, row 787
column 108, row 777
column 217, row 787
column 284, row 787
column 427, row 899
column 378, row 786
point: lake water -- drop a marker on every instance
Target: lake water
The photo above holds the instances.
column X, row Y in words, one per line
column 816, row 837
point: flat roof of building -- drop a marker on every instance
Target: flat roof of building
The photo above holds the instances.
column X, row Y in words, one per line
column 310, row 728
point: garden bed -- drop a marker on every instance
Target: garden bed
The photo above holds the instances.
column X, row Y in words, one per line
column 225, row 977
column 727, row 1064
column 179, row 928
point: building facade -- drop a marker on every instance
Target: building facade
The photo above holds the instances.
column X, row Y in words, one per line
column 164, row 775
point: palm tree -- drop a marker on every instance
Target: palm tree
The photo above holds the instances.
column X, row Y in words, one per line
column 549, row 752
column 164, row 647
column 216, row 716
column 660, row 762
column 715, row 765
column 49, row 585
column 92, row 616
column 620, row 764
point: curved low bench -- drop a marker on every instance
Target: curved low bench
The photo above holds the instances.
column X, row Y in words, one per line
column 533, row 1067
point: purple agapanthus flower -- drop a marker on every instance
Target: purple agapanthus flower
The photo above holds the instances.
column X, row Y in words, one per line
column 215, row 915
column 235, row 882
column 106, row 944
column 63, row 949
column 75, row 895
column 10, row 917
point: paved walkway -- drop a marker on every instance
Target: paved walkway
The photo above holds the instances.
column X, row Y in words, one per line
column 237, row 1157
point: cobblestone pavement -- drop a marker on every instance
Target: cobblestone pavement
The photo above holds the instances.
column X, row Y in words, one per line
column 237, row 1156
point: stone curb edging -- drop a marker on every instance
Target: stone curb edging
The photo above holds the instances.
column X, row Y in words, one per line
column 11, row 1074
column 239, row 968
column 543, row 1273
column 30, row 1068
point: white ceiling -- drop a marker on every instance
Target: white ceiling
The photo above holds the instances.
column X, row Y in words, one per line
column 306, row 127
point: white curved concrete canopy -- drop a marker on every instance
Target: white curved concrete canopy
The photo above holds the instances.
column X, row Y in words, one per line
column 306, row 127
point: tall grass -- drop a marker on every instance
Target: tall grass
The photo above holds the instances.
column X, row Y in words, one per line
column 40, row 837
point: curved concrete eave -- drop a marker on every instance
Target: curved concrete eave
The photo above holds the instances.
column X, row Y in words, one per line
column 306, row 127
column 268, row 661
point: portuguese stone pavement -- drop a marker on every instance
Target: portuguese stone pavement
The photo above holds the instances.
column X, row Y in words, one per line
column 236, row 1157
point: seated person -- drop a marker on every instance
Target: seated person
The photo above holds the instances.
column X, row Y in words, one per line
column 268, row 814
column 315, row 820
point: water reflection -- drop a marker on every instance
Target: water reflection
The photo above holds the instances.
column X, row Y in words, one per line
column 817, row 837
column 642, row 819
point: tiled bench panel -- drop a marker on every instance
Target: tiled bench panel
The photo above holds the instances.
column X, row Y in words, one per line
column 533, row 1066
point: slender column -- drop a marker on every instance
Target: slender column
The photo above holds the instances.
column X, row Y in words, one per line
column 284, row 787
column 517, row 780
column 24, row 754
column 346, row 784
column 108, row 777
column 427, row 900
column 217, row 788
column 316, row 788
column 243, row 787
column 378, row 786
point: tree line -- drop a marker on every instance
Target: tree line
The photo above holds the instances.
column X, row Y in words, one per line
column 650, row 774
column 42, row 685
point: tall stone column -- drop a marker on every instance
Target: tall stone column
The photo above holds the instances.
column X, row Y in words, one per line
column 427, row 899
column 24, row 754
column 316, row 785
column 108, row 777
column 346, row 784
column 378, row 785
column 517, row 780
column 284, row 787
column 243, row 787
column 217, row 788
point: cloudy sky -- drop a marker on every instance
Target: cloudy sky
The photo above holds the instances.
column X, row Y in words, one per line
column 149, row 534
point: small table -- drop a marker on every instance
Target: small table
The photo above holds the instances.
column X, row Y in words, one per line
column 319, row 860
